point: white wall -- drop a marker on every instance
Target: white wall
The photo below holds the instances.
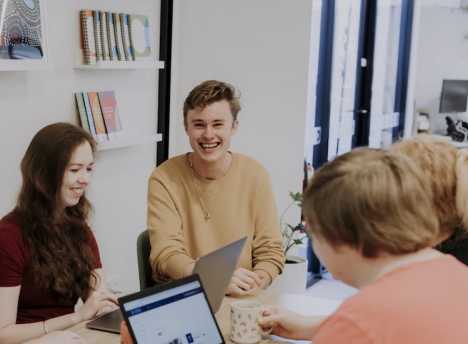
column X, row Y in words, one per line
column 262, row 47
column 30, row 100
column 442, row 54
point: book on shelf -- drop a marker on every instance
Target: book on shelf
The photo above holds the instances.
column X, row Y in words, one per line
column 82, row 112
column 111, row 37
column 110, row 113
column 130, row 37
column 101, row 130
column 98, row 114
column 118, row 36
column 140, row 36
column 103, row 32
column 125, row 38
column 97, row 35
column 108, row 36
column 87, row 37
column 89, row 113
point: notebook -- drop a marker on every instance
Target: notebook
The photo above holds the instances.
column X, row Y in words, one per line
column 215, row 270
column 174, row 313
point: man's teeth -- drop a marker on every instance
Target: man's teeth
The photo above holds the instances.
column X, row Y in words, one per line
column 209, row 145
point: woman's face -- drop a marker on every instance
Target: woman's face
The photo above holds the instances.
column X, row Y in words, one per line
column 77, row 174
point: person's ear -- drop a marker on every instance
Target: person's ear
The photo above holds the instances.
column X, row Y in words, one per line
column 235, row 125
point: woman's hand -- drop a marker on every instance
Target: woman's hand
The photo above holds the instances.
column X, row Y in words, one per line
column 100, row 301
column 284, row 323
column 243, row 282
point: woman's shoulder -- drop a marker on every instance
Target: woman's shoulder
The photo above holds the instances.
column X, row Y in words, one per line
column 9, row 225
column 11, row 237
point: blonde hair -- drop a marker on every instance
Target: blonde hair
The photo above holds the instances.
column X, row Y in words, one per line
column 373, row 201
column 446, row 169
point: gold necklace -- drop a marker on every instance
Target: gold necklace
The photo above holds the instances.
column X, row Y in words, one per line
column 198, row 188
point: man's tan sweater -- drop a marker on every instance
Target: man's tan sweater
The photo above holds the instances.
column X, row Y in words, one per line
column 241, row 203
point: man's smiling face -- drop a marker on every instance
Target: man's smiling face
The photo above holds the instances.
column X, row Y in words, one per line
column 210, row 130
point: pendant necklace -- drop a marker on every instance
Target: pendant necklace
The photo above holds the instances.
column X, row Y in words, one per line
column 198, row 190
column 197, row 187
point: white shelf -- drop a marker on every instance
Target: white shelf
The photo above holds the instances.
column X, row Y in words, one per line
column 128, row 141
column 22, row 65
column 122, row 65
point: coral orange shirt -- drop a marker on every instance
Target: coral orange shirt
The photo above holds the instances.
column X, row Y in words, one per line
column 424, row 302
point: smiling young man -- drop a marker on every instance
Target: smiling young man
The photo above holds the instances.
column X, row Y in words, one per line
column 205, row 199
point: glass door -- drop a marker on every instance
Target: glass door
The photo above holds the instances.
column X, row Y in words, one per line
column 383, row 116
column 343, row 78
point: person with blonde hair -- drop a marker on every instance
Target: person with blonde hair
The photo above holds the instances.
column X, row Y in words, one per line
column 446, row 169
column 211, row 196
column 374, row 227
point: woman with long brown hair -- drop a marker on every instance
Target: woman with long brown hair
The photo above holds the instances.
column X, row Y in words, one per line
column 48, row 254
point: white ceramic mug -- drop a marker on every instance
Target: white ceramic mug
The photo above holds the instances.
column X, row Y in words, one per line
column 244, row 326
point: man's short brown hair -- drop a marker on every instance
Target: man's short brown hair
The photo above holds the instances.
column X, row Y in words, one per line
column 372, row 201
column 209, row 92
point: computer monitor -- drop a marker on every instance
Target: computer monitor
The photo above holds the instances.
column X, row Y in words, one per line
column 454, row 96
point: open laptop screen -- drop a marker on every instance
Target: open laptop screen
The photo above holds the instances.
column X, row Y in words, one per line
column 176, row 313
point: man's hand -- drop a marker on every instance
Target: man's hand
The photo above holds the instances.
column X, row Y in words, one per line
column 265, row 279
column 284, row 323
column 189, row 269
column 244, row 282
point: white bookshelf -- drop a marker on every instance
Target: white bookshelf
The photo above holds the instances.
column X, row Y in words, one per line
column 114, row 65
column 22, row 65
column 128, row 141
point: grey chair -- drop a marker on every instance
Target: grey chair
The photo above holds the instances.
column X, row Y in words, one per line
column 144, row 268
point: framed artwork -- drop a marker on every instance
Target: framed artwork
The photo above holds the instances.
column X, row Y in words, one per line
column 22, row 31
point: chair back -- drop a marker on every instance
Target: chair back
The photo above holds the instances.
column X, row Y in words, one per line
column 144, row 267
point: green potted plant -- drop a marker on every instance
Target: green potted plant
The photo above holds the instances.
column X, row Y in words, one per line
column 293, row 279
column 292, row 234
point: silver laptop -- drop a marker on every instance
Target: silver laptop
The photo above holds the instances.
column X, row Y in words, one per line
column 215, row 270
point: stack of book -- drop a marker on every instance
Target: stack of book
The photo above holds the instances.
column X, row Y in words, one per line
column 98, row 115
column 108, row 36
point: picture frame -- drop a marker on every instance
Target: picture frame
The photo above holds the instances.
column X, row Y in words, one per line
column 23, row 43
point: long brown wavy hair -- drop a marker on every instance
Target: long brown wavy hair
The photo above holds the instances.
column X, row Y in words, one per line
column 57, row 236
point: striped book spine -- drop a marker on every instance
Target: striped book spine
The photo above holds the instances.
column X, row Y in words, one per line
column 82, row 112
column 103, row 32
column 101, row 131
column 111, row 37
column 89, row 114
column 124, row 32
column 87, row 37
column 130, row 37
column 97, row 35
column 118, row 36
